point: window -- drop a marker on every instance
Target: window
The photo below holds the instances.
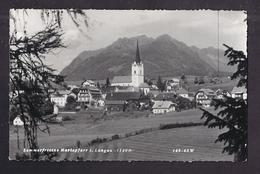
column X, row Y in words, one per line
column 134, row 72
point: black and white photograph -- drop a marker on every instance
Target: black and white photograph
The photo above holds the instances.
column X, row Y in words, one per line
column 128, row 85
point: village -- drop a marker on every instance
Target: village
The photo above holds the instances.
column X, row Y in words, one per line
column 137, row 93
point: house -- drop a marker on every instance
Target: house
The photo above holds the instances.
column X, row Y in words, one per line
column 154, row 87
column 74, row 84
column 173, row 81
column 88, row 83
column 88, row 94
column 18, row 122
column 221, row 93
column 239, row 92
column 60, row 97
column 145, row 88
column 100, row 102
column 166, row 96
column 204, row 97
column 115, row 105
column 182, row 92
column 162, row 107
column 117, row 101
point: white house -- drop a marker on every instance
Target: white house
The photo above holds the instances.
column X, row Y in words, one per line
column 18, row 122
column 145, row 88
column 174, row 82
column 182, row 92
column 88, row 94
column 221, row 93
column 88, row 83
column 204, row 97
column 162, row 107
column 239, row 92
column 60, row 97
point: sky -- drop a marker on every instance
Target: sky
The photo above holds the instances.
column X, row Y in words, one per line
column 193, row 27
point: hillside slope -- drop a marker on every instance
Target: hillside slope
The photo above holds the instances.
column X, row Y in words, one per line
column 163, row 56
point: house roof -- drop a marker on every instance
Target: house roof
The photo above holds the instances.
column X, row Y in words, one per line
column 241, row 89
column 123, row 96
column 207, row 91
column 162, row 104
column 171, row 79
column 144, row 85
column 221, row 91
column 165, row 96
column 115, row 102
column 122, row 79
column 76, row 83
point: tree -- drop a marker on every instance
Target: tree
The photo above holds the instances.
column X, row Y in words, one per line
column 183, row 78
column 201, row 80
column 232, row 115
column 30, row 77
column 107, row 82
column 70, row 103
column 75, row 91
column 196, row 81
column 160, row 84
column 98, row 85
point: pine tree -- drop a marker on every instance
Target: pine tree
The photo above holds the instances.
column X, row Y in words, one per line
column 232, row 114
column 196, row 81
column 30, row 77
column 160, row 84
column 107, row 82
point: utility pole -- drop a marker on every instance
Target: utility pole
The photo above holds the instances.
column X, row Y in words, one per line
column 218, row 43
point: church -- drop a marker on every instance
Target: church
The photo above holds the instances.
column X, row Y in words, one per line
column 136, row 79
column 137, row 76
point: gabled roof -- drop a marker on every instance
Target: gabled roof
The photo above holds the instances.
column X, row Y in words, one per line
column 122, row 79
column 221, row 91
column 207, row 91
column 76, row 83
column 241, row 89
column 162, row 104
column 123, row 96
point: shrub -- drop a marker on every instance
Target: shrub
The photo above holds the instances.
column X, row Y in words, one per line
column 115, row 137
column 98, row 140
column 177, row 125
column 67, row 118
column 21, row 156
column 78, row 144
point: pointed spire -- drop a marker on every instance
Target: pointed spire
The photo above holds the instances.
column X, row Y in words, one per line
column 137, row 58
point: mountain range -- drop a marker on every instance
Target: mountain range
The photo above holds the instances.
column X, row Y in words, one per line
column 164, row 56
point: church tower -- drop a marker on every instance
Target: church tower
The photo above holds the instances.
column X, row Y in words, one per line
column 137, row 69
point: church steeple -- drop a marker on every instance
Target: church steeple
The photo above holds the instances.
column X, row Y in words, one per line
column 137, row 57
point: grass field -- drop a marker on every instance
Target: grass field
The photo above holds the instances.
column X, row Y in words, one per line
column 84, row 130
column 159, row 145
